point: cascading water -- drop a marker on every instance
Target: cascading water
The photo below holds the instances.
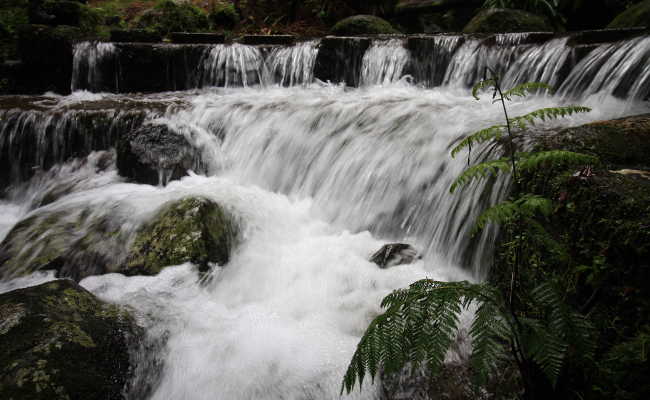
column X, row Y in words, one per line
column 384, row 63
column 319, row 177
column 90, row 61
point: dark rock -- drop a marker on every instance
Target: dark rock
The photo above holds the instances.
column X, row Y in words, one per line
column 184, row 37
column 155, row 154
column 394, row 254
column 135, row 36
column 415, row 7
column 435, row 16
column 496, row 20
column 157, row 67
column 190, row 230
column 340, row 59
column 363, row 25
column 60, row 342
column 47, row 56
column 604, row 35
column 268, row 39
column 635, row 16
column 592, row 14
column 374, row 7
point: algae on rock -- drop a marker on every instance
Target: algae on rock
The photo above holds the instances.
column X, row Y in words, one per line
column 60, row 342
column 191, row 230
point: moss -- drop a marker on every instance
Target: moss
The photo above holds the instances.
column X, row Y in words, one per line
column 63, row 345
column 601, row 219
column 224, row 15
column 168, row 16
column 496, row 20
column 636, row 15
column 363, row 25
column 193, row 229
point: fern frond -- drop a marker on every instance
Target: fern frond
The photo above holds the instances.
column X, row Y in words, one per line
column 481, row 170
column 534, row 161
column 543, row 114
column 526, row 88
column 486, row 83
column 493, row 132
column 419, row 326
column 527, row 205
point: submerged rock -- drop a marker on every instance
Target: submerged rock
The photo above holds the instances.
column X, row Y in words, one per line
column 394, row 254
column 79, row 242
column 155, row 154
column 499, row 20
column 60, row 342
column 193, row 229
column 363, row 25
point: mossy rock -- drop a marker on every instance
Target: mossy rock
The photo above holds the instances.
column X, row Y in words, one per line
column 637, row 15
column 363, row 25
column 495, row 20
column 223, row 15
column 193, row 230
column 60, row 342
column 169, row 16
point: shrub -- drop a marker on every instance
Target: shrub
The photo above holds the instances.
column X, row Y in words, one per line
column 223, row 16
column 169, row 16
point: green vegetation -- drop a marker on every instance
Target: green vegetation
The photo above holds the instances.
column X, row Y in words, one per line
column 224, row 15
column 518, row 320
column 507, row 20
column 169, row 16
column 637, row 15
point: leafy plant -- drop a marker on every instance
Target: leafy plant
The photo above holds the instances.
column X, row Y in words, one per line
column 523, row 322
column 543, row 7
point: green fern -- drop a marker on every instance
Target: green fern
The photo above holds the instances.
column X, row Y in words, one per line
column 525, row 206
column 524, row 89
column 482, row 170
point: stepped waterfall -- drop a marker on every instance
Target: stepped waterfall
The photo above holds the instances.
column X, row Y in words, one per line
column 322, row 151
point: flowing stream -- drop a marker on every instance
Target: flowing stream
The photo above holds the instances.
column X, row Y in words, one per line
column 318, row 175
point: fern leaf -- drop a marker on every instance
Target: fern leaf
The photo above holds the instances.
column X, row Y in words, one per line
column 527, row 205
column 482, row 85
column 490, row 133
column 481, row 170
column 526, row 88
column 418, row 326
column 534, row 161
column 543, row 114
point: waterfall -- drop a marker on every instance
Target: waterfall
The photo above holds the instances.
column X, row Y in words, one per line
column 293, row 65
column 384, row 63
column 317, row 175
column 91, row 62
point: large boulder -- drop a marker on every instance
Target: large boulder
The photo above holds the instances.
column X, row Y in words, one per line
column 60, row 342
column 193, row 229
column 495, row 20
column 363, row 25
column 78, row 242
column 155, row 154
column 637, row 15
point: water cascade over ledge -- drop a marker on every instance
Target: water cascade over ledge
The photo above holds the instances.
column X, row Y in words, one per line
column 316, row 174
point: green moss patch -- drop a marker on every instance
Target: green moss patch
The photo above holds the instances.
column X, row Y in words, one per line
column 497, row 20
column 63, row 343
column 363, row 25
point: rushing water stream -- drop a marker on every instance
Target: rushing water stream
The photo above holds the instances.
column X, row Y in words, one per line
column 319, row 176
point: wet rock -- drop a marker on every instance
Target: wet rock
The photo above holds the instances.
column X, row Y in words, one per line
column 155, row 154
column 46, row 53
column 363, row 25
column 60, row 342
column 635, row 16
column 190, row 230
column 78, row 242
column 496, row 20
column 340, row 59
column 604, row 36
column 135, row 36
column 269, row 39
column 184, row 37
column 394, row 254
